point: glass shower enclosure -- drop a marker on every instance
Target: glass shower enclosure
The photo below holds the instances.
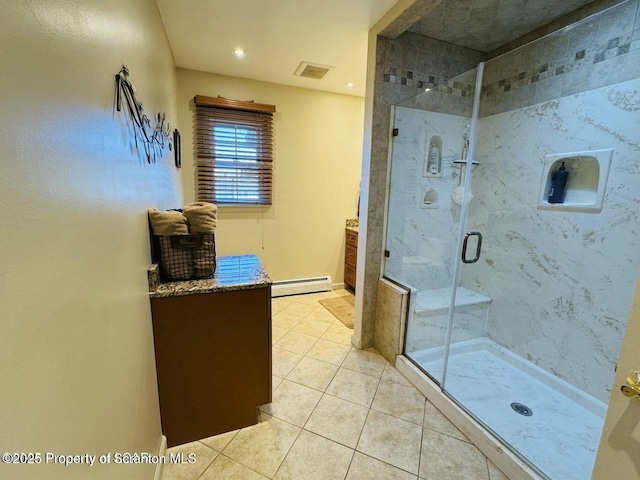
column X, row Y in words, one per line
column 518, row 305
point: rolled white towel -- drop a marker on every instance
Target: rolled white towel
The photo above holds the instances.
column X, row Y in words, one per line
column 202, row 216
column 168, row 223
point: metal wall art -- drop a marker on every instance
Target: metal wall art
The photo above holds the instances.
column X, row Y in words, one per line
column 176, row 148
column 153, row 138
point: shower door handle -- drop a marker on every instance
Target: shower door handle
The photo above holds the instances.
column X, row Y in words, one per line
column 478, row 247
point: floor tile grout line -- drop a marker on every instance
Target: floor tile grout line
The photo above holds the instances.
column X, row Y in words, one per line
column 365, row 422
column 308, row 386
column 327, row 438
column 387, row 463
column 348, row 401
column 316, row 406
column 312, row 335
column 210, row 448
column 359, row 371
column 448, row 435
column 397, row 417
column 208, row 466
column 487, row 465
column 369, row 409
column 323, row 391
column 288, row 451
column 424, row 414
column 297, row 383
column 291, row 351
column 236, row 461
column 362, row 431
column 289, row 372
column 283, row 328
column 323, row 436
column 305, row 355
column 285, row 455
column 353, row 455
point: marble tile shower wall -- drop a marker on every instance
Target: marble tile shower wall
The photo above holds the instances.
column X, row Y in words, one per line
column 601, row 50
column 422, row 241
column 572, row 91
column 562, row 283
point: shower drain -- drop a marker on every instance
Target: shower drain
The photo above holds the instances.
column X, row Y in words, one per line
column 522, row 409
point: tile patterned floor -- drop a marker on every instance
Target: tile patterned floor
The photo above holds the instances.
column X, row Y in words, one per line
column 337, row 413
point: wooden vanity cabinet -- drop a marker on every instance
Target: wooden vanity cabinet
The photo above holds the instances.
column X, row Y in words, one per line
column 350, row 258
column 213, row 359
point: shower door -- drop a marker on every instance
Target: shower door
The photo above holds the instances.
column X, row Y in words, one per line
column 431, row 135
column 527, row 353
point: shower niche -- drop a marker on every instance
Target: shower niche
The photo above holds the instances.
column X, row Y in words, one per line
column 429, row 198
column 585, row 183
column 433, row 157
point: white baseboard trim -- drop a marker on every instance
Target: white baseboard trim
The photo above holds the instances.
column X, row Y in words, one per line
column 282, row 288
column 337, row 286
column 161, row 454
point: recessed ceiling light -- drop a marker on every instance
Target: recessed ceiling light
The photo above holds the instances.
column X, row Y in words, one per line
column 350, row 84
column 427, row 89
column 239, row 52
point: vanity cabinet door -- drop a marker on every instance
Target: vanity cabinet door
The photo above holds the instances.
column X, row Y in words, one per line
column 213, row 360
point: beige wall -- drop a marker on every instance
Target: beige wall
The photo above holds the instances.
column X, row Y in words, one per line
column 76, row 349
column 318, row 149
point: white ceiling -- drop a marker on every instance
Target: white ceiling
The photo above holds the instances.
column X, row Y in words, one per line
column 277, row 35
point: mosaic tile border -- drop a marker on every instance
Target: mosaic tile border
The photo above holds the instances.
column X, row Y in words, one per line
column 423, row 81
column 582, row 58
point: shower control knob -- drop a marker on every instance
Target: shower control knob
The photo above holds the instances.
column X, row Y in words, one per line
column 632, row 387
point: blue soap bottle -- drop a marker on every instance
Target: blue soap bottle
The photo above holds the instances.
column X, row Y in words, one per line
column 558, row 185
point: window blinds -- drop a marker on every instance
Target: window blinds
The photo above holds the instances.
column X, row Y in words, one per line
column 234, row 143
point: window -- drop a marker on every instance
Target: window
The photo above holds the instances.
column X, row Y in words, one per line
column 234, row 142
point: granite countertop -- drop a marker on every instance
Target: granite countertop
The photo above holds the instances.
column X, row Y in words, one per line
column 233, row 272
column 352, row 225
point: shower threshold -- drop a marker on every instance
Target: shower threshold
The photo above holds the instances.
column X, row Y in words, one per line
column 561, row 435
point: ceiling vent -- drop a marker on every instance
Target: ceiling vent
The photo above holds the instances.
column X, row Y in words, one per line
column 312, row 70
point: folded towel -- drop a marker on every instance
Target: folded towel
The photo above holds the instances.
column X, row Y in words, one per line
column 203, row 217
column 168, row 223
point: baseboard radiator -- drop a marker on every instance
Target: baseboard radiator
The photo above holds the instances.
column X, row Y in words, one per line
column 301, row 285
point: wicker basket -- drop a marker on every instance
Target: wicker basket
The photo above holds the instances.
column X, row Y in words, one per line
column 186, row 257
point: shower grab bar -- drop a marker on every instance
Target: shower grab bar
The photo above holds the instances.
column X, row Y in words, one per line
column 478, row 247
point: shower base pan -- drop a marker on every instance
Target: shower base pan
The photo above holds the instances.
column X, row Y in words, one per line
column 558, row 429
